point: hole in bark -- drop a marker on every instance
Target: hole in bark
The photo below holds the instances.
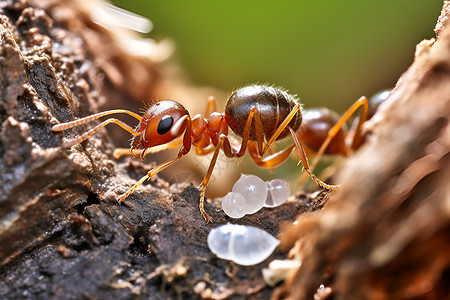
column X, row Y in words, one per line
column 92, row 199
column 139, row 245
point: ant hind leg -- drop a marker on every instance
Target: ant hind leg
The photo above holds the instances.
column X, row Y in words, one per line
column 304, row 161
column 334, row 130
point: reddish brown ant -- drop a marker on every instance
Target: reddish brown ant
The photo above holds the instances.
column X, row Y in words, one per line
column 325, row 132
column 259, row 114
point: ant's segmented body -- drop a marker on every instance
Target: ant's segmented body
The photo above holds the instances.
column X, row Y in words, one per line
column 324, row 132
column 259, row 114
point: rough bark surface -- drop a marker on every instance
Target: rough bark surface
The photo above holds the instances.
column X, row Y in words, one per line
column 63, row 236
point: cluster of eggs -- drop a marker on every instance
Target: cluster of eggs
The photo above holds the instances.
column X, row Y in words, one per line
column 244, row 245
column 247, row 245
column 250, row 193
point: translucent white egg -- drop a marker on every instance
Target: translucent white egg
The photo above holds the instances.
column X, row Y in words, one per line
column 245, row 245
column 234, row 205
column 278, row 192
column 254, row 190
column 219, row 241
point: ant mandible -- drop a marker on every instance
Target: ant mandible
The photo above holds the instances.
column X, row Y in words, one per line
column 259, row 114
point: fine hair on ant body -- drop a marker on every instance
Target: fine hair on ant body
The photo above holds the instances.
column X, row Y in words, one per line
column 259, row 114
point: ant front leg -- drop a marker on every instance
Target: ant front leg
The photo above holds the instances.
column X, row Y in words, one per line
column 119, row 152
column 183, row 151
column 205, row 180
column 149, row 175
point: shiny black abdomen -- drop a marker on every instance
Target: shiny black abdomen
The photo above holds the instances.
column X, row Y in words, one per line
column 273, row 106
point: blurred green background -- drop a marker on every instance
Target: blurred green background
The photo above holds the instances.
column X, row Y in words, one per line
column 329, row 53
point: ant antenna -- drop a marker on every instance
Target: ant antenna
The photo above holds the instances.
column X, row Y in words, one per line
column 86, row 135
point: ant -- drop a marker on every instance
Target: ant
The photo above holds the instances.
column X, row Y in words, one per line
column 259, row 114
column 325, row 132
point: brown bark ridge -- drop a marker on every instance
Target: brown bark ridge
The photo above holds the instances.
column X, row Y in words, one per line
column 385, row 233
column 62, row 233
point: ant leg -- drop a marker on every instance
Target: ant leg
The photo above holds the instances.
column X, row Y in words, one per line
column 304, row 161
column 210, row 106
column 205, row 181
column 259, row 133
column 272, row 160
column 245, row 136
column 281, row 127
column 231, row 149
column 357, row 136
column 86, row 135
column 205, row 151
column 184, row 150
column 149, row 175
column 137, row 152
column 334, row 130
column 119, row 152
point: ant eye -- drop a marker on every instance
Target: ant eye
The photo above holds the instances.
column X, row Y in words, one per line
column 164, row 125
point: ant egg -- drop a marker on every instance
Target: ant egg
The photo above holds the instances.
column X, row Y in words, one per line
column 234, row 204
column 254, row 190
column 278, row 192
column 248, row 193
column 244, row 245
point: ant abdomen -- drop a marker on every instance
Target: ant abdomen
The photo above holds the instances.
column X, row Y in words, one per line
column 315, row 127
column 273, row 106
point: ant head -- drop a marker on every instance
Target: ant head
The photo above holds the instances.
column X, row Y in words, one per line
column 163, row 122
